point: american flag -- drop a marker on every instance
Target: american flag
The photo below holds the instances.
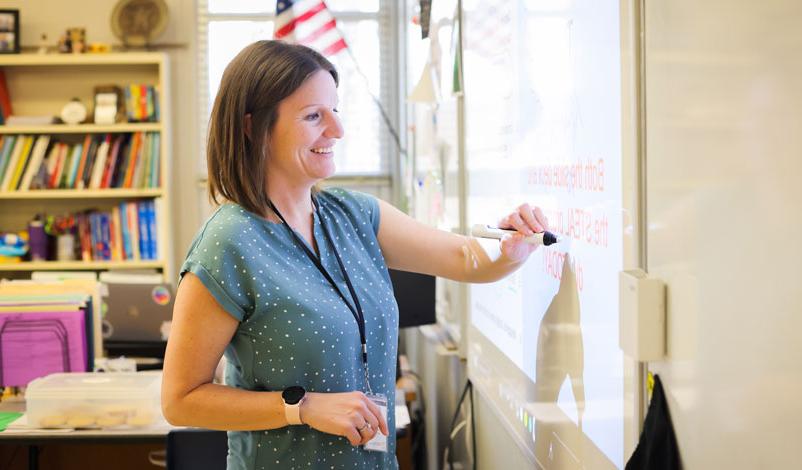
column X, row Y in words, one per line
column 310, row 23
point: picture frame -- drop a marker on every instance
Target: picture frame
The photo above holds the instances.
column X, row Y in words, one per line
column 9, row 32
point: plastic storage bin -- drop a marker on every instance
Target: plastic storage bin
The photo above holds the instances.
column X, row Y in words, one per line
column 95, row 400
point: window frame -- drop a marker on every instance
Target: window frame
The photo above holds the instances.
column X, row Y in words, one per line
column 386, row 184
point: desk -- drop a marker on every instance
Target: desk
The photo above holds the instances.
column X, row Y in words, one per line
column 123, row 449
column 120, row 450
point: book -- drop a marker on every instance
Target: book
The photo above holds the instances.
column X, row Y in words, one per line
column 150, row 221
column 156, row 116
column 155, row 222
column 75, row 161
column 100, row 162
column 5, row 152
column 130, row 164
column 117, row 171
column 138, row 180
column 22, row 162
column 61, row 162
column 58, row 160
column 61, row 182
column 116, row 235
column 143, row 103
column 84, row 235
column 144, row 233
column 155, row 164
column 5, row 98
column 40, row 178
column 37, row 156
column 50, row 162
column 126, row 237
column 86, row 174
column 12, row 163
column 133, row 109
column 111, row 162
column 78, row 177
column 133, row 229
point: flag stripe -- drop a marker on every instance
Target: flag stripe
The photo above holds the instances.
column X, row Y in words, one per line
column 289, row 27
column 319, row 32
column 327, row 39
column 308, row 22
column 335, row 48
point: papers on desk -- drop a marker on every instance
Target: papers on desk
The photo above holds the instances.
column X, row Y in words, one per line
column 21, row 426
column 8, row 417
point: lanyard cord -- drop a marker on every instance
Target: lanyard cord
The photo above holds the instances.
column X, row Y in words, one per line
column 356, row 312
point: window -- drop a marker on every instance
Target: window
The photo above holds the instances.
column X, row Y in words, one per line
column 367, row 150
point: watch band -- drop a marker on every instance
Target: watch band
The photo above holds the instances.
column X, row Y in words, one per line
column 293, row 412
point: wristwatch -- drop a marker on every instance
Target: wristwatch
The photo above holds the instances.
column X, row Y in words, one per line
column 293, row 397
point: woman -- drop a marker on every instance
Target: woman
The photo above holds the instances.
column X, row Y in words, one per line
column 291, row 282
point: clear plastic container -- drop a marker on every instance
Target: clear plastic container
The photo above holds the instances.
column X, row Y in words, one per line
column 95, row 400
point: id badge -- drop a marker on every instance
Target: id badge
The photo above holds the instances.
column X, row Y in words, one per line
column 379, row 441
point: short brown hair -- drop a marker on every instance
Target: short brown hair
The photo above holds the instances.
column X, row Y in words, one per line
column 254, row 82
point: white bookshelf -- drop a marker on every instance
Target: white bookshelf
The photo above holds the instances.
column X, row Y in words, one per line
column 41, row 84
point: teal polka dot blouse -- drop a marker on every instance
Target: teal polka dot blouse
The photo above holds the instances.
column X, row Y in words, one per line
column 294, row 329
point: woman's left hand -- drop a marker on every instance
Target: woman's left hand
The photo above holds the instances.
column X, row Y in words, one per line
column 526, row 220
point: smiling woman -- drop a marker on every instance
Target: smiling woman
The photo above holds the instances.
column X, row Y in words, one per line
column 247, row 109
column 292, row 283
column 301, row 145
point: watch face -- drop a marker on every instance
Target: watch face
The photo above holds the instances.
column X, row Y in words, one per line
column 293, row 395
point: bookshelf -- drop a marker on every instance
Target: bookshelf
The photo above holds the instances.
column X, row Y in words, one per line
column 42, row 85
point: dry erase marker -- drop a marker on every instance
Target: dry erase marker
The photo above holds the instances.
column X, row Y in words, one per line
column 486, row 231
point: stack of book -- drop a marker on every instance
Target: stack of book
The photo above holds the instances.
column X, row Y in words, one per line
column 128, row 232
column 142, row 103
column 98, row 162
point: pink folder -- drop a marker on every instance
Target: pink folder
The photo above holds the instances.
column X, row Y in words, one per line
column 35, row 344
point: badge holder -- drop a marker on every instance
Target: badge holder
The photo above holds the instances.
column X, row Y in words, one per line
column 379, row 441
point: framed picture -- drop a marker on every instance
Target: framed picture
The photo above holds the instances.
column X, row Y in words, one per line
column 9, row 32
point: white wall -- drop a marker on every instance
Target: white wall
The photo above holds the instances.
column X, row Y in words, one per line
column 723, row 117
column 52, row 17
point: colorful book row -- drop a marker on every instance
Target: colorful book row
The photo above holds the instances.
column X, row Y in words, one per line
column 128, row 232
column 142, row 103
column 130, row 160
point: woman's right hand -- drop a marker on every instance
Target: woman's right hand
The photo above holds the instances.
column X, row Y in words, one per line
column 343, row 414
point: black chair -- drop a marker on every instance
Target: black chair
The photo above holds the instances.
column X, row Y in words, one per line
column 196, row 449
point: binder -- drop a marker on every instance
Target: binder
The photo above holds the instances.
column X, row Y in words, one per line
column 35, row 344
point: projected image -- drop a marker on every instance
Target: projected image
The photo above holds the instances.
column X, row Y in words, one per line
column 543, row 125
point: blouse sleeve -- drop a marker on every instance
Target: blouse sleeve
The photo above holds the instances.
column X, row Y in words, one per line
column 213, row 257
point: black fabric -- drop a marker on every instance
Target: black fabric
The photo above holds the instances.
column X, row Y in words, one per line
column 196, row 449
column 657, row 448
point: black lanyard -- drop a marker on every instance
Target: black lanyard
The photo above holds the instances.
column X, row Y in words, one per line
column 356, row 312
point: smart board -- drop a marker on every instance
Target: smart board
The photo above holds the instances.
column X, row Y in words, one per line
column 543, row 125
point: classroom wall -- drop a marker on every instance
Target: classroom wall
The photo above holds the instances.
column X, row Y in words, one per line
column 53, row 17
column 723, row 114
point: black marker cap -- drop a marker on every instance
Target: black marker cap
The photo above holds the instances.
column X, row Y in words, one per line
column 549, row 238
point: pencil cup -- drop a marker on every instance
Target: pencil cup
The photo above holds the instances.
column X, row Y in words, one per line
column 65, row 249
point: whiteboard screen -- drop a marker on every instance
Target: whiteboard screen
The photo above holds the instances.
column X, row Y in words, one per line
column 543, row 125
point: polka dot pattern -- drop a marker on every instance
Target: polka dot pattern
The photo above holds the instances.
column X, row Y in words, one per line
column 294, row 328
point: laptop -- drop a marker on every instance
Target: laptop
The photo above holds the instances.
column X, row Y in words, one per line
column 137, row 313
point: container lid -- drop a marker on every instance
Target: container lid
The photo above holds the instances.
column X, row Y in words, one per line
column 94, row 385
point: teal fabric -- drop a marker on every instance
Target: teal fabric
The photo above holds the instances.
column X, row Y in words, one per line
column 294, row 328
